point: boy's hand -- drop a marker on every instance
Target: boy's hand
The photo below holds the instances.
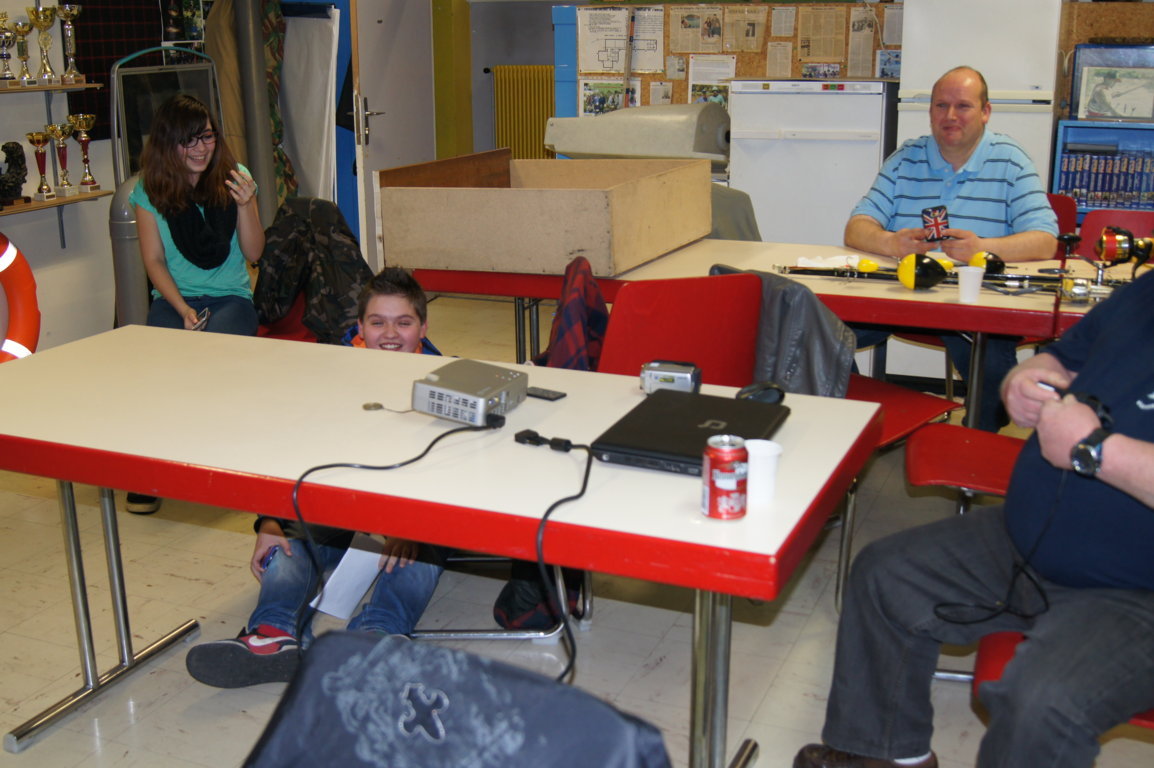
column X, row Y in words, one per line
column 270, row 535
column 398, row 553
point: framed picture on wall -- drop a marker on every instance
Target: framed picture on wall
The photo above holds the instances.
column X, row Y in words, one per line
column 1113, row 82
column 1116, row 93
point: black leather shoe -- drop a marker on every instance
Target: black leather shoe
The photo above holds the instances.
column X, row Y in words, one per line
column 821, row 756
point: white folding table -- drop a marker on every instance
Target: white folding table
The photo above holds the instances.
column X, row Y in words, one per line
column 233, row 421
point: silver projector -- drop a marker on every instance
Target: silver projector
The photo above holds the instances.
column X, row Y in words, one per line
column 468, row 391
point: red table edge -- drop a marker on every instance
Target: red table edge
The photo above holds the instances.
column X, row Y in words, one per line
column 930, row 315
column 684, row 564
column 515, row 284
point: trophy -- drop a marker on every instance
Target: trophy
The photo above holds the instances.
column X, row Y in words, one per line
column 60, row 132
column 43, row 19
column 67, row 13
column 7, row 42
column 81, row 125
column 22, row 28
column 39, row 140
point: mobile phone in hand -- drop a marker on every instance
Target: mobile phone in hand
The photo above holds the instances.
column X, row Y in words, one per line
column 935, row 220
column 264, row 561
column 201, row 319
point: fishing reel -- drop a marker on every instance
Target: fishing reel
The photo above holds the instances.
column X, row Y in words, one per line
column 1118, row 246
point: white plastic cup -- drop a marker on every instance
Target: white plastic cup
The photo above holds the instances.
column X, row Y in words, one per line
column 969, row 283
column 762, row 478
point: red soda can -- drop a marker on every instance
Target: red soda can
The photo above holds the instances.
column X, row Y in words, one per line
column 724, row 470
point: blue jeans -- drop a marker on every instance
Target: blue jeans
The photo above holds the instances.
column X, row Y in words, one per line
column 227, row 314
column 397, row 601
column 1087, row 666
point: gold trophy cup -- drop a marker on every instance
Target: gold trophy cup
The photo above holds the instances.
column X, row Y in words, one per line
column 22, row 30
column 81, row 125
column 39, row 140
column 43, row 19
column 60, row 132
column 68, row 12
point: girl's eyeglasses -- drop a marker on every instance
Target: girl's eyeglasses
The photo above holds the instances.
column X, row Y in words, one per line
column 207, row 137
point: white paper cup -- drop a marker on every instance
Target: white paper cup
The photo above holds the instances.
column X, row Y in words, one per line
column 762, row 479
column 969, row 283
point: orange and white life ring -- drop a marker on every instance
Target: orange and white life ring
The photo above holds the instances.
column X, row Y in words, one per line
column 23, row 312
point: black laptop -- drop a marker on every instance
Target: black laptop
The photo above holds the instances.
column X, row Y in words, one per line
column 668, row 429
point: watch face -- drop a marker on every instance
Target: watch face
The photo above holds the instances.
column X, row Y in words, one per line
column 1086, row 456
column 1083, row 460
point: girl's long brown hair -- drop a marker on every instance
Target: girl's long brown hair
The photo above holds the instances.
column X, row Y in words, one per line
column 163, row 170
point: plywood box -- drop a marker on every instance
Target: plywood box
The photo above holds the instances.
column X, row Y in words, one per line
column 489, row 212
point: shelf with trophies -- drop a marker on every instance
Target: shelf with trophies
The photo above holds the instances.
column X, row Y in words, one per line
column 51, row 135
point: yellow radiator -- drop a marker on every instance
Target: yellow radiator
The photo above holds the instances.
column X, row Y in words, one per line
column 522, row 103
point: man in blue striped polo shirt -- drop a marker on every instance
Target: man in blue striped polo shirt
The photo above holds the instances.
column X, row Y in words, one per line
column 993, row 194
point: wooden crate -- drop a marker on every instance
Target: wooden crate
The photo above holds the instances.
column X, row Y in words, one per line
column 490, row 212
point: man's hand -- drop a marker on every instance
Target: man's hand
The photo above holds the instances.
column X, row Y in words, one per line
column 398, row 553
column 1061, row 425
column 1031, row 385
column 907, row 241
column 865, row 234
column 270, row 535
column 961, row 245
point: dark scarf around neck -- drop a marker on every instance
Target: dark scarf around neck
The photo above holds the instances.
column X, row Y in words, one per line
column 204, row 239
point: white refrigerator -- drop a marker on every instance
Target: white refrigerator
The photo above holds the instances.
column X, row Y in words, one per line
column 805, row 151
column 1013, row 44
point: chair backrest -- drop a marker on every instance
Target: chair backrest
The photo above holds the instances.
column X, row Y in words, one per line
column 709, row 321
column 1139, row 223
column 1066, row 209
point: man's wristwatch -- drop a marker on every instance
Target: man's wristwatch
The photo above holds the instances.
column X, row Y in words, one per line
column 1086, row 455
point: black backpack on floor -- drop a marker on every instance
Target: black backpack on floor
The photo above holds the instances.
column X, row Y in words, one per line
column 361, row 699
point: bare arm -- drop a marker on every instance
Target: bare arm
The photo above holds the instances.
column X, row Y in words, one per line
column 156, row 265
column 1022, row 246
column 249, row 231
column 864, row 233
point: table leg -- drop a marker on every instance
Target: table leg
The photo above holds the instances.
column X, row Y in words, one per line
column 27, row 732
column 534, row 328
column 712, row 620
column 519, row 329
column 974, row 392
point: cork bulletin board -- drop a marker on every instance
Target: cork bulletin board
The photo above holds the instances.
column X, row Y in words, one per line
column 827, row 41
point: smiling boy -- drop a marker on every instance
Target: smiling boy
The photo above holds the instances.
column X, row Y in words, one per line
column 392, row 316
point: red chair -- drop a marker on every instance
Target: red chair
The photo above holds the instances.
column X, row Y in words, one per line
column 291, row 326
column 1066, row 209
column 709, row 321
column 995, row 651
column 903, row 410
column 959, row 457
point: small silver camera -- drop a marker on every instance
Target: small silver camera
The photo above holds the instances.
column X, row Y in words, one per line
column 669, row 374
